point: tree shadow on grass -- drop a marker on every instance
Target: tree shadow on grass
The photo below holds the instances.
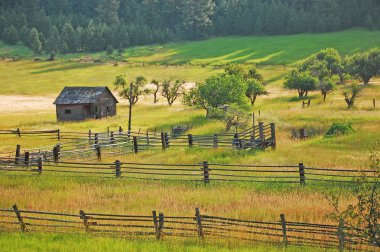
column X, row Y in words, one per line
column 64, row 68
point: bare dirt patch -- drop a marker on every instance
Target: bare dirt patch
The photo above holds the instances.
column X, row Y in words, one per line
column 20, row 103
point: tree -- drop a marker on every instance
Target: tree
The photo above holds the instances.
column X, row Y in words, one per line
column 171, row 90
column 365, row 65
column 54, row 42
column 10, row 35
column 236, row 117
column 109, row 50
column 217, row 91
column 351, row 93
column 235, row 69
column 138, row 88
column 326, row 87
column 254, row 74
column 157, row 85
column 255, row 88
column 108, row 11
column 303, row 82
column 35, row 42
column 68, row 37
column 362, row 217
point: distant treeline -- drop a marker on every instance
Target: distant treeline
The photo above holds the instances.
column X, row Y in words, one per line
column 93, row 25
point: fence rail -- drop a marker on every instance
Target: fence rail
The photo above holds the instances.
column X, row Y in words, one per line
column 202, row 172
column 203, row 227
column 76, row 145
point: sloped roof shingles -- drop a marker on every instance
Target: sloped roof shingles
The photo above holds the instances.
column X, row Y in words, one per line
column 81, row 95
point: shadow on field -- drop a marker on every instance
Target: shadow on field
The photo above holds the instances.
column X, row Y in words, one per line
column 64, row 68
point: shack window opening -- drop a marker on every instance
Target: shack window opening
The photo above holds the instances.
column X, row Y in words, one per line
column 67, row 111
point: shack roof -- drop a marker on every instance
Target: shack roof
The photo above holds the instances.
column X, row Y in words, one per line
column 81, row 95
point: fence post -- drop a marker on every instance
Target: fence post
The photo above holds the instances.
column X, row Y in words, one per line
column 215, row 141
column 301, row 168
column 206, row 174
column 341, row 235
column 85, row 220
column 273, row 135
column 236, row 141
column 118, row 168
column 262, row 135
column 18, row 132
column 155, row 221
column 56, row 151
column 302, row 133
column 160, row 226
column 163, row 140
column 374, row 104
column 120, row 129
column 26, row 159
column 89, row 136
column 190, row 137
column 96, row 138
column 283, row 224
column 112, row 138
column 167, row 141
column 59, row 134
column 39, row 165
column 20, row 220
column 308, row 103
column 135, row 145
column 198, row 219
column 98, row 152
column 17, row 154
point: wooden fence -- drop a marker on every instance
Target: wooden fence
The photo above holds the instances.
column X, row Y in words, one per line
column 204, row 227
column 74, row 145
column 202, row 172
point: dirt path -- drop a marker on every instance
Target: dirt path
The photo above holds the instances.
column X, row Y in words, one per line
column 20, row 103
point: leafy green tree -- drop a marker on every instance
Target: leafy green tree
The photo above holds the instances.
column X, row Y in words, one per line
column 35, row 42
column 217, row 91
column 303, row 82
column 362, row 216
column 365, row 65
column 171, row 90
column 54, row 42
column 255, row 88
column 351, row 94
column 326, row 87
column 235, row 69
column 138, row 88
column 254, row 74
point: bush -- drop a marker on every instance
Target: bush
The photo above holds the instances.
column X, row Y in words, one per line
column 339, row 129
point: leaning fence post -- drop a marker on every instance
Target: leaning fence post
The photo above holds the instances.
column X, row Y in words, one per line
column 160, row 226
column 163, row 140
column 18, row 132
column 206, row 174
column 85, row 220
column 341, row 235
column 26, row 159
column 135, row 145
column 198, row 219
column 20, row 220
column 273, row 135
column 190, row 137
column 215, row 141
column 17, row 154
column 39, row 165
column 283, row 224
column 301, row 168
column 118, row 168
column 155, row 222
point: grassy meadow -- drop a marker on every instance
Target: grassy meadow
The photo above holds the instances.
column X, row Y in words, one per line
column 44, row 81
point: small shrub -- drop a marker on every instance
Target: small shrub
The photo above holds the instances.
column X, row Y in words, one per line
column 339, row 129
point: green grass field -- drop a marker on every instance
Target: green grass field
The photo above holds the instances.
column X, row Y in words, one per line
column 43, row 81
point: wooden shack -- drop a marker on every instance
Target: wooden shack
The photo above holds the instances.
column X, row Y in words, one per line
column 80, row 103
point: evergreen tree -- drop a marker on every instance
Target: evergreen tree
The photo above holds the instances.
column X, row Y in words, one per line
column 35, row 42
column 54, row 42
column 10, row 35
column 108, row 11
column 68, row 37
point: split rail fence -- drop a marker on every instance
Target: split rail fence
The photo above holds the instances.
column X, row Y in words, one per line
column 201, row 172
column 74, row 145
column 204, row 227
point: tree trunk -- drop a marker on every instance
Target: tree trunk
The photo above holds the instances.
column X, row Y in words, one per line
column 253, row 99
column 324, row 96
